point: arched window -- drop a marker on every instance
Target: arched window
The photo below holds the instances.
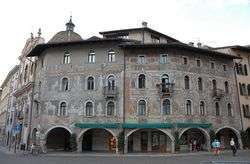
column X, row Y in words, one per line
column 63, row 107
column 229, row 110
column 111, row 82
column 91, row 57
column 111, row 56
column 214, row 84
column 111, row 108
column 166, row 107
column 217, row 109
column 188, row 107
column 65, row 84
column 165, row 79
column 89, row 109
column 25, row 73
column 186, row 80
column 202, row 108
column 226, row 87
column 141, row 81
column 248, row 89
column 245, row 69
column 142, row 108
column 66, row 58
column 90, row 84
column 200, row 87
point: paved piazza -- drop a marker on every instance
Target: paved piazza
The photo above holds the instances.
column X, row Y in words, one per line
column 242, row 157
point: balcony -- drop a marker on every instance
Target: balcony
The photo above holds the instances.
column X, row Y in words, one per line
column 110, row 91
column 218, row 93
column 165, row 89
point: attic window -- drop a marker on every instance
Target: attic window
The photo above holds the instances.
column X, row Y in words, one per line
column 155, row 39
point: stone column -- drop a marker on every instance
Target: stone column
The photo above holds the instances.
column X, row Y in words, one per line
column 116, row 146
column 79, row 146
column 149, row 141
column 126, row 144
column 172, row 147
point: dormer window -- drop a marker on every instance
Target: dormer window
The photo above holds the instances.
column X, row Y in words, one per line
column 155, row 39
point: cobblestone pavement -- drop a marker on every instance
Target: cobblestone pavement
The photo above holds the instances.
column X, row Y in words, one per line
column 205, row 158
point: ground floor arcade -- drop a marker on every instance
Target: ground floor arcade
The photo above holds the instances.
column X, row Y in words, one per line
column 143, row 140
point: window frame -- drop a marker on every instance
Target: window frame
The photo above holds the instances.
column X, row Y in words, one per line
column 64, row 87
column 169, row 105
column 186, row 82
column 60, row 112
column 85, row 109
column 142, row 81
column 138, row 108
column 188, row 113
column 91, row 56
column 111, row 56
column 90, row 87
column 217, row 109
column 67, row 58
column 202, row 111
column 114, row 109
column 165, row 57
column 141, row 59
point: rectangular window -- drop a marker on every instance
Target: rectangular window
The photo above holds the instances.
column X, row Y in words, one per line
column 163, row 58
column 111, row 56
column 198, row 63
column 224, row 67
column 246, row 111
column 185, row 60
column 91, row 58
column 141, row 59
column 212, row 65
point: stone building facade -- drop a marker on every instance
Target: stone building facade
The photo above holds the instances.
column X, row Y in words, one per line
column 6, row 115
column 137, row 84
column 242, row 67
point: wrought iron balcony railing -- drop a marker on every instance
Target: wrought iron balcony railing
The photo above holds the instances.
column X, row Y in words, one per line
column 218, row 93
column 165, row 89
column 110, row 91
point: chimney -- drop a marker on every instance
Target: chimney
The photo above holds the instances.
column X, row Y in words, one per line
column 144, row 24
column 199, row 44
column 191, row 44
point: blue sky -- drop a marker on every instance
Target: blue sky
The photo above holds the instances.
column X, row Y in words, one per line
column 212, row 22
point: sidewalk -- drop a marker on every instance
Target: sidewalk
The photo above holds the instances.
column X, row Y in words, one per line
column 76, row 154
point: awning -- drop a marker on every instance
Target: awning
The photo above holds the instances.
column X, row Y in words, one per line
column 147, row 125
column 194, row 125
column 98, row 125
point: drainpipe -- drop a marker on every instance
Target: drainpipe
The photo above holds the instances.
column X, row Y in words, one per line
column 238, row 97
column 124, row 100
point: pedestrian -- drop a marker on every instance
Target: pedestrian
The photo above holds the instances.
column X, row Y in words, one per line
column 233, row 146
column 32, row 148
column 195, row 145
column 218, row 146
column 214, row 147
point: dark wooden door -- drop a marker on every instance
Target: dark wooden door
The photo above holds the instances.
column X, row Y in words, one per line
column 144, row 141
